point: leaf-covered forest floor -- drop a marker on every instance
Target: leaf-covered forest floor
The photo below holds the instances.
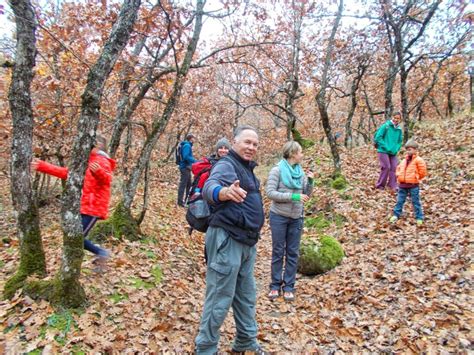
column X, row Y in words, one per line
column 399, row 289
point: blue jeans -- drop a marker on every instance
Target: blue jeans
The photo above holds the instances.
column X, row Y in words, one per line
column 414, row 193
column 286, row 236
column 87, row 223
column 229, row 282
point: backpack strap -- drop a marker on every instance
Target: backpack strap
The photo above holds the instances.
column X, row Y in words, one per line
column 239, row 170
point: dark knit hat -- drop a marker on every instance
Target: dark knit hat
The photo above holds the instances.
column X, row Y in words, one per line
column 411, row 143
column 223, row 142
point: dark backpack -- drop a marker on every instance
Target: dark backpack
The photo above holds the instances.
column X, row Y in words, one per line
column 199, row 211
column 178, row 153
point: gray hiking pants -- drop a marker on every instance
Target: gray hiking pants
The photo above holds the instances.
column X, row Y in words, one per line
column 229, row 282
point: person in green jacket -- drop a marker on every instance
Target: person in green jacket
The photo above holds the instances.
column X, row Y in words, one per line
column 388, row 140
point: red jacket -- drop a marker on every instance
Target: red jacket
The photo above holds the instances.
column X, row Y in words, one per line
column 96, row 189
column 411, row 171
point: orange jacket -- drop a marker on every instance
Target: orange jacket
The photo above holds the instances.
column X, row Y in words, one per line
column 413, row 172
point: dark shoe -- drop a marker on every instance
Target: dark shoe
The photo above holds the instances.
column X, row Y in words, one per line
column 258, row 351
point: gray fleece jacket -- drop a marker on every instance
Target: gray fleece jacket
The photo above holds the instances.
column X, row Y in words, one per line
column 280, row 195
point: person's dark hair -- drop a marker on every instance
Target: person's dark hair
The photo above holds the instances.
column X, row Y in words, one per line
column 397, row 113
column 189, row 136
column 242, row 128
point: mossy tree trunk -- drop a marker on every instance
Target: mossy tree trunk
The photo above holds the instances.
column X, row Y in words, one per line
column 67, row 290
column 32, row 259
column 123, row 210
column 321, row 96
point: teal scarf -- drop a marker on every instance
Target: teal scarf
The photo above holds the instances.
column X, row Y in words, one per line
column 292, row 176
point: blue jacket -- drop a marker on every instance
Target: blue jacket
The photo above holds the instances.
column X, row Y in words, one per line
column 244, row 220
column 187, row 155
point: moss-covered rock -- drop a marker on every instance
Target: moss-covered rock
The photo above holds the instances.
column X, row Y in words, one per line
column 339, row 183
column 319, row 255
column 120, row 224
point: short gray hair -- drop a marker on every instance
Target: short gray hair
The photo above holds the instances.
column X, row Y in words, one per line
column 290, row 148
column 238, row 131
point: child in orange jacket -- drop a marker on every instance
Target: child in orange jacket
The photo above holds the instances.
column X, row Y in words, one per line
column 409, row 173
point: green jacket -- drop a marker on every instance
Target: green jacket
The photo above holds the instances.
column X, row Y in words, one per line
column 389, row 138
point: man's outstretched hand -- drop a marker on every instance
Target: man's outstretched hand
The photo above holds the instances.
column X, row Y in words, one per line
column 233, row 193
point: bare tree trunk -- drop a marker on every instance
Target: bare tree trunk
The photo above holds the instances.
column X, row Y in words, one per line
column 321, row 96
column 404, row 100
column 293, row 81
column 123, row 210
column 388, row 90
column 362, row 67
column 120, row 121
column 438, row 112
column 32, row 259
column 67, row 290
column 450, row 105
column 146, row 193
column 471, row 87
column 128, row 105
column 398, row 24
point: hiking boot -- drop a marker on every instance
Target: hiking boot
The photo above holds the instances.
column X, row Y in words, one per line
column 419, row 222
column 393, row 219
column 257, row 351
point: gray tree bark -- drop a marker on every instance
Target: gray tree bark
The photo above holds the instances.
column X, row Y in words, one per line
column 68, row 291
column 292, row 91
column 361, row 69
column 321, row 96
column 160, row 123
column 398, row 27
column 32, row 259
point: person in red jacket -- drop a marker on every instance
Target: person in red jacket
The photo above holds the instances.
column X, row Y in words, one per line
column 410, row 172
column 95, row 191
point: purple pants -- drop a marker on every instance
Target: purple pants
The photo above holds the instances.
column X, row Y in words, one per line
column 388, row 167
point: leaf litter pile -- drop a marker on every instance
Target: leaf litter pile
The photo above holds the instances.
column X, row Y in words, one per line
column 399, row 289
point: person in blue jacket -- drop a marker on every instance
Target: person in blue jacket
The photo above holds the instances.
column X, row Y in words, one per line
column 185, row 159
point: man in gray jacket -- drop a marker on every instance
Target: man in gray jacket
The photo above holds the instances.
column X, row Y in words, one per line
column 234, row 230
